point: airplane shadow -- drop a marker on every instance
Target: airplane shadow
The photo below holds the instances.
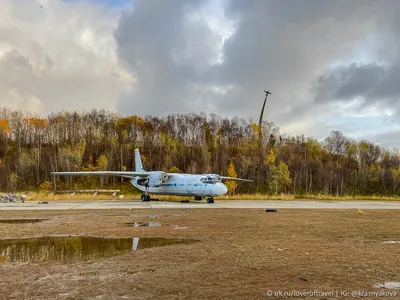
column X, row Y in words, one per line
column 179, row 201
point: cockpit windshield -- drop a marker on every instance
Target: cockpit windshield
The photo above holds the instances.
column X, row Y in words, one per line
column 211, row 178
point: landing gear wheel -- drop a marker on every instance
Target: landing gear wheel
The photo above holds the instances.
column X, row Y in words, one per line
column 210, row 200
column 196, row 198
column 145, row 197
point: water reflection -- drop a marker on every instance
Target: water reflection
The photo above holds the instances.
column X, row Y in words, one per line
column 70, row 248
column 21, row 221
column 143, row 224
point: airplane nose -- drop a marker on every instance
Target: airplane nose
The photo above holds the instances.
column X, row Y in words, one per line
column 224, row 190
column 221, row 189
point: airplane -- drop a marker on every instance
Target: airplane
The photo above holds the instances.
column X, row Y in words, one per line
column 161, row 183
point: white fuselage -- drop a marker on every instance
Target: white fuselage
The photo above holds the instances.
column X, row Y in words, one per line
column 186, row 185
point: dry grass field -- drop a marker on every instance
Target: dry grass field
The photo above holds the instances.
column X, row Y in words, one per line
column 240, row 254
column 82, row 196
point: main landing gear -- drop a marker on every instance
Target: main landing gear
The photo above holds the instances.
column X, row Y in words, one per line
column 146, row 197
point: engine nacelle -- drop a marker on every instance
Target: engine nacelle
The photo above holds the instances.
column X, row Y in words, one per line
column 154, row 179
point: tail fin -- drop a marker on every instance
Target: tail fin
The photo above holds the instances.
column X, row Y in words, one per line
column 138, row 162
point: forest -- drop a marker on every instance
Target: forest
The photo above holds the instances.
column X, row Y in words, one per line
column 32, row 147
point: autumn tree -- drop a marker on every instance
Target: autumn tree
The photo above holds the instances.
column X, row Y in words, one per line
column 31, row 147
column 102, row 164
column 278, row 174
column 231, row 184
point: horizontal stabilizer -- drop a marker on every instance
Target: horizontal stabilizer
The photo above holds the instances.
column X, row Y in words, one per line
column 125, row 174
column 233, row 178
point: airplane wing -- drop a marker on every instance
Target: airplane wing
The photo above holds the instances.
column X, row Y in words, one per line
column 125, row 174
column 233, row 178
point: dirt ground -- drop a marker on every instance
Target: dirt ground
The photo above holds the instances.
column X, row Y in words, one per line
column 242, row 254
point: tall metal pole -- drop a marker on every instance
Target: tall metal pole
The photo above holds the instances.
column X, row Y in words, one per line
column 260, row 141
column 262, row 110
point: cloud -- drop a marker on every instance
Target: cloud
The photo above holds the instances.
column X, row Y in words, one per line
column 60, row 56
column 168, row 47
column 309, row 53
column 274, row 46
column 365, row 85
column 329, row 64
column 387, row 139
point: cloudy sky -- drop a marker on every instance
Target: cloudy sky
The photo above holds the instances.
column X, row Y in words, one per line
column 329, row 64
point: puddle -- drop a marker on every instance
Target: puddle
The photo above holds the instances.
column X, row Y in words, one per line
column 179, row 227
column 391, row 242
column 388, row 285
column 70, row 248
column 156, row 216
column 152, row 224
column 143, row 224
column 167, row 215
column 21, row 221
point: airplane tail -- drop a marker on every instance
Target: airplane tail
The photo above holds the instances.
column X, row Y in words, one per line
column 138, row 162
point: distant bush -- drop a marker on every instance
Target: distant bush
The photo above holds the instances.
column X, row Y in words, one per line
column 45, row 186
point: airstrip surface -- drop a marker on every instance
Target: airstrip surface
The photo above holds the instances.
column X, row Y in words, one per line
column 138, row 204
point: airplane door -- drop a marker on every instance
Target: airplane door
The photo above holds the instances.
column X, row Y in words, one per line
column 189, row 186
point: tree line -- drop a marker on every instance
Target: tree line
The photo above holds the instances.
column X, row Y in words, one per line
column 32, row 147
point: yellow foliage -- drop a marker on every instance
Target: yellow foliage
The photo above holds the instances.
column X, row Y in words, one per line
column 173, row 169
column 395, row 172
column 270, row 159
column 102, row 162
column 373, row 168
column 124, row 123
column 45, row 186
column 4, row 126
column 37, row 123
column 256, row 128
column 231, row 184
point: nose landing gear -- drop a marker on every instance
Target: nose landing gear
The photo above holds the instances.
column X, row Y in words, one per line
column 145, row 197
column 209, row 199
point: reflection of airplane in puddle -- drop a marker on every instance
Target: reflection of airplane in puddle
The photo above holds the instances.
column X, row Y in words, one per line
column 162, row 183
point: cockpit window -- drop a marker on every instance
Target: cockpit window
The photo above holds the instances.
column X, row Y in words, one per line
column 209, row 178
